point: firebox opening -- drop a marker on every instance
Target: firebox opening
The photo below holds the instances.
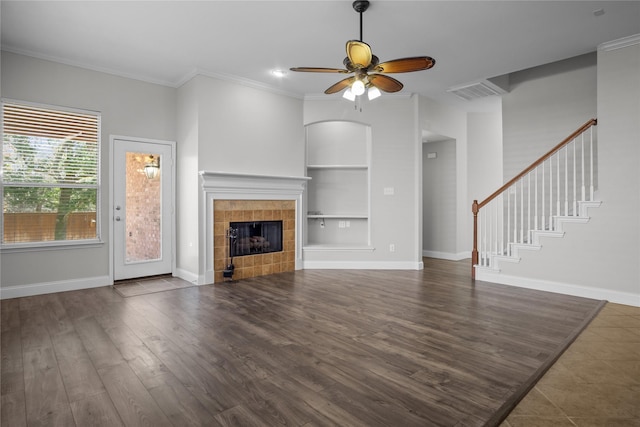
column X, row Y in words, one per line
column 256, row 237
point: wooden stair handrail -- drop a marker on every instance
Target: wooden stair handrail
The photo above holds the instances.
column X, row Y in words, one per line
column 584, row 127
column 475, row 208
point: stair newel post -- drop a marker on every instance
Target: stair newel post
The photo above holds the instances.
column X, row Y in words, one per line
column 474, row 252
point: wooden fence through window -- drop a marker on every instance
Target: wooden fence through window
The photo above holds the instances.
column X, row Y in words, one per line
column 41, row 226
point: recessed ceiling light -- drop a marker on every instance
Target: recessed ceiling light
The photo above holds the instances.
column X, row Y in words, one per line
column 279, row 73
column 598, row 12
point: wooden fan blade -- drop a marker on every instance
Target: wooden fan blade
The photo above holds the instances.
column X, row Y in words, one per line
column 359, row 53
column 406, row 65
column 340, row 85
column 319, row 70
column 385, row 83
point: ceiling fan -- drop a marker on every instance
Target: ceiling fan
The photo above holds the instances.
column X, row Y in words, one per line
column 369, row 72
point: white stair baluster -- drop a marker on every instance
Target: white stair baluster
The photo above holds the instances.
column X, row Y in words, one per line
column 582, row 168
column 558, row 185
column 566, row 181
column 543, row 200
column 535, row 203
column 522, row 210
column 575, row 183
column 550, row 193
column 591, row 189
column 501, row 198
column 515, row 212
column 529, row 207
column 508, row 221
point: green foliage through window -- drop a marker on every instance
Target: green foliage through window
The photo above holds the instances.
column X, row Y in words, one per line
column 50, row 182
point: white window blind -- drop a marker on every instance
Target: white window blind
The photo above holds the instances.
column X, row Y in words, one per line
column 50, row 183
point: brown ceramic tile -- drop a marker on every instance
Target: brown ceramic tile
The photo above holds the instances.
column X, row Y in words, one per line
column 533, row 421
column 596, row 382
column 560, row 374
column 600, row 372
column 616, row 321
column 606, row 422
column 619, row 334
column 254, row 265
column 535, row 403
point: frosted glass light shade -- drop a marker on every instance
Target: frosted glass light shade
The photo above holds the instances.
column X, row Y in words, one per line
column 348, row 94
column 357, row 87
column 373, row 93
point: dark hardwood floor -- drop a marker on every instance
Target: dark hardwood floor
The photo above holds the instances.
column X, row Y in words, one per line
column 308, row 348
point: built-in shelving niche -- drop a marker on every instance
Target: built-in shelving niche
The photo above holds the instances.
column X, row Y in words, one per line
column 338, row 161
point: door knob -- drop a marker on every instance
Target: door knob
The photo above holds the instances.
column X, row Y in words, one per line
column 117, row 218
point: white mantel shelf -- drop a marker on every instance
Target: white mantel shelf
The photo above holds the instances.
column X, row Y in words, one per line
column 242, row 186
column 229, row 182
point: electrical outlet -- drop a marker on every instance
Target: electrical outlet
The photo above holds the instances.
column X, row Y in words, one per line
column 347, row 224
column 341, row 224
column 392, row 247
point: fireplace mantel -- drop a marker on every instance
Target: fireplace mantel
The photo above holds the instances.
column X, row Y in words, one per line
column 236, row 186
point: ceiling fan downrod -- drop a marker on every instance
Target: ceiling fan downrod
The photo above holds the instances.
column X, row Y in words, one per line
column 360, row 6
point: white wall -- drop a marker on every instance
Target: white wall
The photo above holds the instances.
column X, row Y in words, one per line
column 187, row 182
column 449, row 121
column 484, row 133
column 242, row 129
column 228, row 127
column 128, row 107
column 599, row 259
column 395, row 162
column 439, row 199
column 544, row 105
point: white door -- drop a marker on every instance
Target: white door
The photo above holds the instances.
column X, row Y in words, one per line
column 142, row 208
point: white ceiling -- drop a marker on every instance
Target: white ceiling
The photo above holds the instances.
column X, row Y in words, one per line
column 168, row 42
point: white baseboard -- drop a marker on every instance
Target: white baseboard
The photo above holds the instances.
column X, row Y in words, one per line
column 186, row 275
column 363, row 265
column 617, row 297
column 446, row 255
column 51, row 287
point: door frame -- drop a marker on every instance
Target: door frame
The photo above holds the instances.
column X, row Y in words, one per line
column 172, row 144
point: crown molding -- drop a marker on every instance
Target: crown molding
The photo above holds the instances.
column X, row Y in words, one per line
column 174, row 84
column 79, row 64
column 620, row 43
column 237, row 80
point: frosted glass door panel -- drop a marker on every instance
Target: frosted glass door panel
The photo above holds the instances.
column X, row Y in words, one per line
column 143, row 216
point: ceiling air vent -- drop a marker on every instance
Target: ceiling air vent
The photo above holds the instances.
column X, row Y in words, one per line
column 480, row 89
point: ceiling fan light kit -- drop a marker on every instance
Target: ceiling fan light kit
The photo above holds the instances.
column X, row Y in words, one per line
column 369, row 75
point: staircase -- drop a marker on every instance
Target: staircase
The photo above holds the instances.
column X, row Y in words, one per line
column 555, row 190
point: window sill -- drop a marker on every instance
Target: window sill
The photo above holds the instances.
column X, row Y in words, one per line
column 50, row 246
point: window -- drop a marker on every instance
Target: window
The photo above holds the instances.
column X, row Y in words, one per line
column 50, row 175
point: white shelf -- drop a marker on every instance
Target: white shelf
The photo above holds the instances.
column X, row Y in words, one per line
column 363, row 167
column 338, row 216
column 332, row 247
column 338, row 161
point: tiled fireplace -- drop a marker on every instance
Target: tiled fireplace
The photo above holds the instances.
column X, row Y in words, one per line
column 227, row 211
column 229, row 197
